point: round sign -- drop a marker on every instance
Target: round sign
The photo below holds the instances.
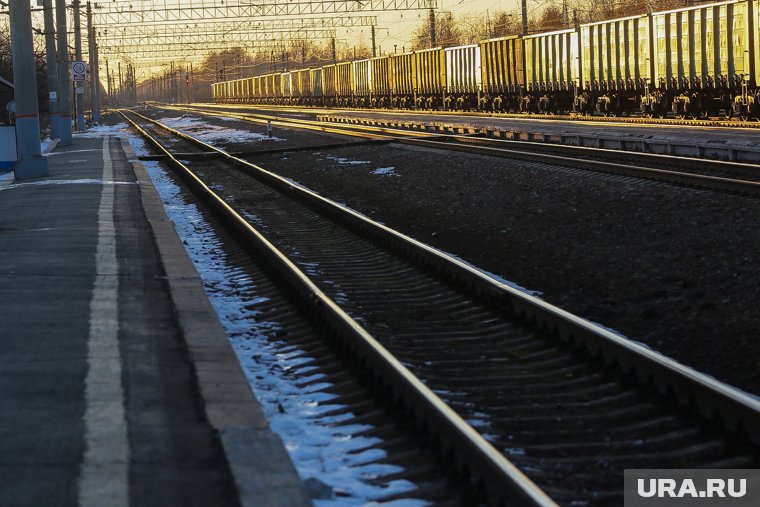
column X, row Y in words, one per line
column 79, row 68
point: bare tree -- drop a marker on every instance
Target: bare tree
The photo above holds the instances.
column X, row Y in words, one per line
column 447, row 32
column 473, row 27
column 505, row 24
column 550, row 19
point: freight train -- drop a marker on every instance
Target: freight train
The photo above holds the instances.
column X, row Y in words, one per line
column 693, row 62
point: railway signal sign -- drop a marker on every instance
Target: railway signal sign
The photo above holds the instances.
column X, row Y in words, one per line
column 78, row 71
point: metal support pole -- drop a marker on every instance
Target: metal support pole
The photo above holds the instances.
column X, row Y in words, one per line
column 433, row 41
column 374, row 47
column 94, row 81
column 334, row 53
column 78, row 56
column 524, row 8
column 121, row 86
column 52, row 69
column 30, row 164
column 96, row 72
column 108, row 84
column 64, row 94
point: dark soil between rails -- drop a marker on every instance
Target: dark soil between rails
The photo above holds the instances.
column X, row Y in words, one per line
column 674, row 268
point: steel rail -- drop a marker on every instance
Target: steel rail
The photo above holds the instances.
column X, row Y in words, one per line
column 737, row 410
column 502, row 480
column 571, row 156
column 365, row 131
column 726, row 123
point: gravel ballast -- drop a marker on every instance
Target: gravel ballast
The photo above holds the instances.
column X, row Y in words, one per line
column 674, row 268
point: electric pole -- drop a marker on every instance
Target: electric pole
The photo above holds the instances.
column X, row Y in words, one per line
column 565, row 15
column 31, row 163
column 94, row 72
column 52, row 69
column 121, row 85
column 78, row 56
column 108, row 84
column 334, row 53
column 374, row 48
column 64, row 94
column 524, row 17
column 433, row 42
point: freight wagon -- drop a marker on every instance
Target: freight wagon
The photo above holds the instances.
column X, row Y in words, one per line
column 381, row 82
column 344, row 84
column 705, row 59
column 693, row 62
column 315, row 78
column 503, row 73
column 403, row 80
column 616, row 69
column 362, row 78
column 286, row 87
column 551, row 71
column 430, row 69
column 329, row 95
column 463, row 77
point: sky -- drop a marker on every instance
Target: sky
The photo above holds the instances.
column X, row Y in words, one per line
column 394, row 28
column 398, row 29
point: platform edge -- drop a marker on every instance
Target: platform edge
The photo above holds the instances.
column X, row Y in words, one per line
column 258, row 460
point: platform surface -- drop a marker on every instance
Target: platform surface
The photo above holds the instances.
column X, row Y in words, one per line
column 117, row 384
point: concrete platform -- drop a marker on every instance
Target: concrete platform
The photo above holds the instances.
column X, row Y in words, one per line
column 720, row 143
column 117, row 383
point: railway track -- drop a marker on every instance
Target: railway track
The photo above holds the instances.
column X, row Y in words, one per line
column 733, row 177
column 568, row 403
column 636, row 120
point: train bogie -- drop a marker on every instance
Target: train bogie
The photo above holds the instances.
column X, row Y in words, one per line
column 463, row 76
column 503, row 73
